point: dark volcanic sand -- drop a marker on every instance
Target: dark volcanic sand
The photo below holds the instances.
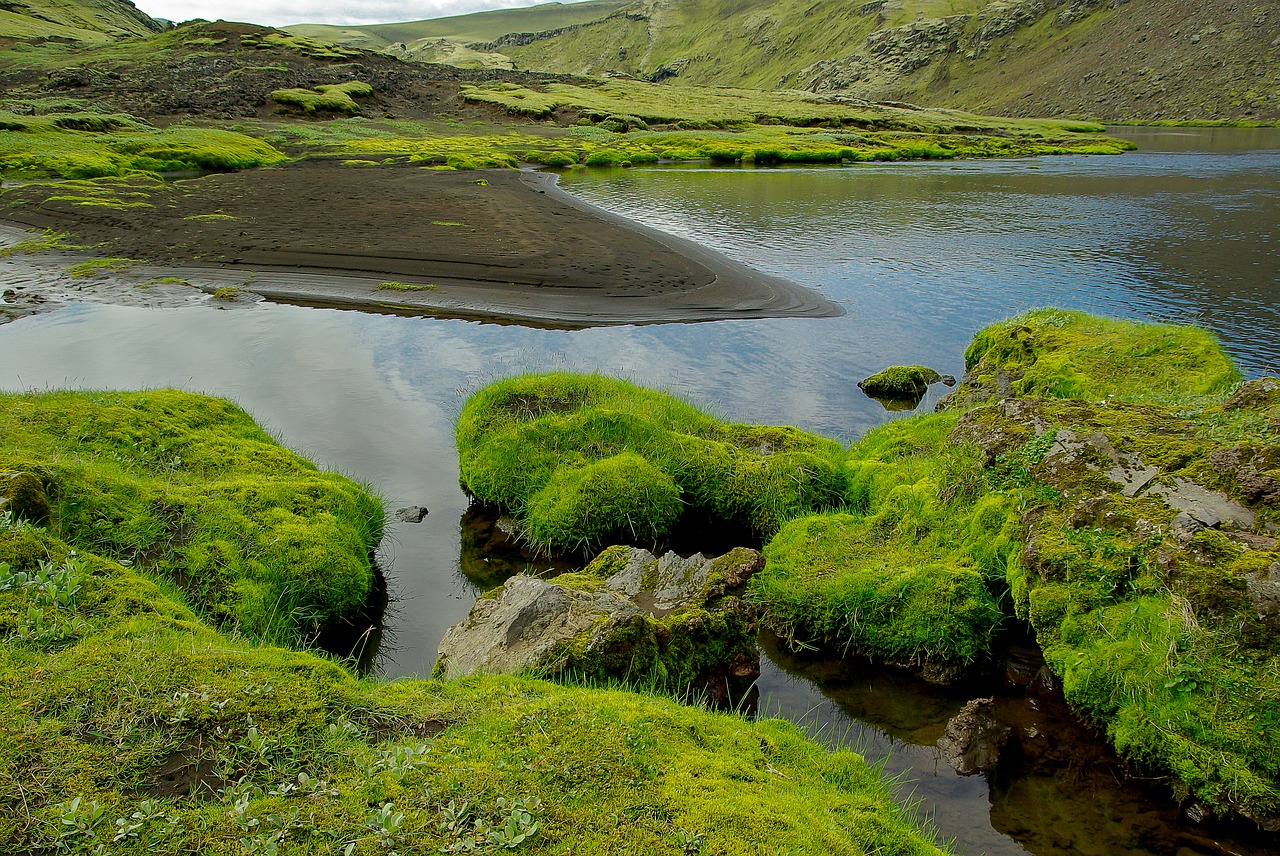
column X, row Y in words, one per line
column 494, row 243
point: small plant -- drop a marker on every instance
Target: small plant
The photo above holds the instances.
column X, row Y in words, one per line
column 386, row 823
column 99, row 267
column 227, row 293
column 79, row 819
column 691, row 842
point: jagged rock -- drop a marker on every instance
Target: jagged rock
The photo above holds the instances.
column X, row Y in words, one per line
column 23, row 495
column 628, row 614
column 974, row 737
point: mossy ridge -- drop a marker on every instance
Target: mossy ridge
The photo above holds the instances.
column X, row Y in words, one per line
column 269, row 747
column 190, row 489
column 99, row 145
column 526, row 443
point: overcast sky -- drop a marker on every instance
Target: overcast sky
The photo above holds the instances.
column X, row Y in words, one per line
column 277, row 13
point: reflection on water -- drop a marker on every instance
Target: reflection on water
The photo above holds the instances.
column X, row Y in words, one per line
column 922, row 254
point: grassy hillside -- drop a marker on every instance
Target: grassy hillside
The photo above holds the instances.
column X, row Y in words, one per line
column 77, row 20
column 464, row 29
column 1140, row 59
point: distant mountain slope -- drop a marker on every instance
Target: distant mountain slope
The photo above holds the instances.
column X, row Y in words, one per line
column 1115, row 59
column 77, row 20
column 477, row 27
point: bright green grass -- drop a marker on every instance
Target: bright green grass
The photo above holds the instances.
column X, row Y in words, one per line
column 543, row 445
column 108, row 681
column 913, row 573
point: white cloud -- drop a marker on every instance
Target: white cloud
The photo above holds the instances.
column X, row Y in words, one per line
column 276, row 13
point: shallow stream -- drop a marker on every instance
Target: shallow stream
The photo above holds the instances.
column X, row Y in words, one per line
column 921, row 255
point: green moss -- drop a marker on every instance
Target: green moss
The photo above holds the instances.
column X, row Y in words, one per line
column 1061, row 354
column 623, row 497
column 900, row 382
column 391, row 285
column 518, row 436
column 120, row 145
column 331, row 98
column 143, row 728
column 227, row 293
column 190, row 489
column 100, row 267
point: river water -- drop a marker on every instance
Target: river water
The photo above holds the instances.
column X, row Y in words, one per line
column 921, row 255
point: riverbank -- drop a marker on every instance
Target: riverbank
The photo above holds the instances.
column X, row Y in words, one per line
column 186, row 737
column 498, row 244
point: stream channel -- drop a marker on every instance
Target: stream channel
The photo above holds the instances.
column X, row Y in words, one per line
column 922, row 255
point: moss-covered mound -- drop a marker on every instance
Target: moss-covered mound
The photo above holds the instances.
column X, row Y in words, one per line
column 87, row 145
column 583, row 461
column 130, row 726
column 327, row 98
column 189, row 489
column 1055, row 353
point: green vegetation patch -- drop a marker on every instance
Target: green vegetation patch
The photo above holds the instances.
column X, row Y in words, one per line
column 189, row 489
column 539, row 445
column 332, row 98
column 913, row 573
column 1056, row 353
column 900, row 382
column 100, row 267
column 392, row 285
column 118, row 146
column 143, row 728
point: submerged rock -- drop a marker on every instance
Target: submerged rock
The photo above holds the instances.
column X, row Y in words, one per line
column 411, row 514
column 629, row 615
column 974, row 737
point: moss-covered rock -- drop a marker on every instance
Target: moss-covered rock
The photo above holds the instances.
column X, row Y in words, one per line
column 189, row 488
column 669, row 622
column 1055, row 353
column 900, row 382
column 22, row 495
column 543, row 447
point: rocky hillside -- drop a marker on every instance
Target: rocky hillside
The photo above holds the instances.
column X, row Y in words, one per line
column 74, row 20
column 1109, row 59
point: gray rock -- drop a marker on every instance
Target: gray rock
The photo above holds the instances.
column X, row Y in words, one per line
column 1264, row 591
column 540, row 625
column 1208, row 507
column 524, row 625
column 974, row 737
column 411, row 514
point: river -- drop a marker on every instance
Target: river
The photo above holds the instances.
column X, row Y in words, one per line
column 921, row 255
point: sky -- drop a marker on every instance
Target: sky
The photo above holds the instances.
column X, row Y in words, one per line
column 276, row 13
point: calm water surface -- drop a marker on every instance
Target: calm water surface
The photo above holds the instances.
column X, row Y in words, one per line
column 922, row 255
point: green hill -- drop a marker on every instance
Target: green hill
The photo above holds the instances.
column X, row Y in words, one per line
column 1111, row 59
column 77, row 20
column 465, row 29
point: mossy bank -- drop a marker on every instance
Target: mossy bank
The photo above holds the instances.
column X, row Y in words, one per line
column 139, row 712
column 1107, row 485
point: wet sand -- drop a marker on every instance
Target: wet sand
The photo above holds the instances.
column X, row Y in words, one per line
column 497, row 244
